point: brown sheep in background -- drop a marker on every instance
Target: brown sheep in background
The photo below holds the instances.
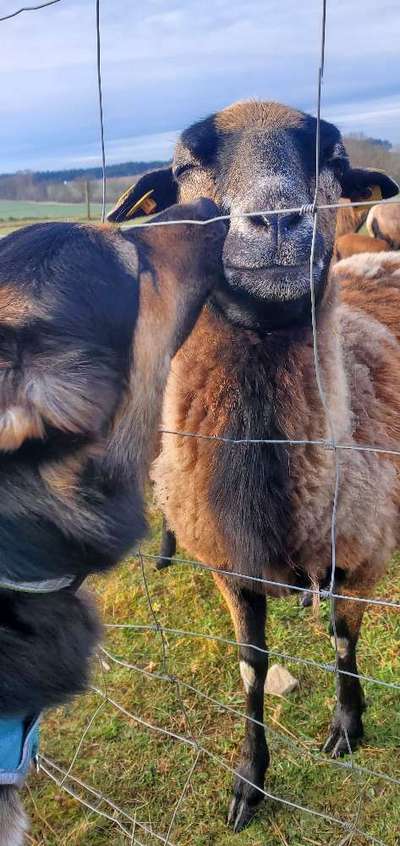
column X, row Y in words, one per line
column 352, row 218
column 383, row 221
column 264, row 510
column 349, row 245
column 370, row 282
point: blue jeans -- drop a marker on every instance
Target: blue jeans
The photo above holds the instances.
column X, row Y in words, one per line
column 19, row 743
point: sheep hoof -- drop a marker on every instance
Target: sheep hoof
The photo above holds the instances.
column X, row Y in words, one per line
column 342, row 740
column 241, row 812
column 246, row 797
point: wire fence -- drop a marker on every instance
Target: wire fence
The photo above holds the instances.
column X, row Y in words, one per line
column 128, row 825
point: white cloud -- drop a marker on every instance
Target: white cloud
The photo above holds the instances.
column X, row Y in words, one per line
column 371, row 113
column 166, row 64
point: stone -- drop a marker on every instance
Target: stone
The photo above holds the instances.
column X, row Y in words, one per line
column 279, row 681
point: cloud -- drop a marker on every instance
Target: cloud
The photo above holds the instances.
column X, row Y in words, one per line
column 165, row 65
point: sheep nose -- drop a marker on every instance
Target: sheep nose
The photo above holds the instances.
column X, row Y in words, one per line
column 288, row 224
column 281, row 225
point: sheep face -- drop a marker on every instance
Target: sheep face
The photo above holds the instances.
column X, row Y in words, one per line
column 256, row 156
column 262, row 157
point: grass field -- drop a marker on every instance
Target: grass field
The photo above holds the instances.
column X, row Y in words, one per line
column 144, row 772
column 16, row 213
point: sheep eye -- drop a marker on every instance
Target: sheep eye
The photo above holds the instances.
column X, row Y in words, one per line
column 184, row 168
column 335, row 157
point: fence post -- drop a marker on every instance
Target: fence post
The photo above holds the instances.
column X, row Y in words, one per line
column 87, row 197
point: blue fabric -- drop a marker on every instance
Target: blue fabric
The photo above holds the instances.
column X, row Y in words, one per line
column 19, row 743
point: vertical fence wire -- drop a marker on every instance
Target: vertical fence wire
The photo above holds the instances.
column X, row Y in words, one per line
column 329, row 420
column 101, row 113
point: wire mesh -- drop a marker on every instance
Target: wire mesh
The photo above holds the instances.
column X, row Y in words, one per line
column 128, row 825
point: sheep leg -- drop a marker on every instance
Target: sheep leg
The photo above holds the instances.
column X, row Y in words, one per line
column 347, row 726
column 168, row 547
column 248, row 611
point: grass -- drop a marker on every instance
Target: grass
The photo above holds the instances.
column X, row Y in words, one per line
column 144, row 772
column 15, row 210
column 14, row 214
column 17, row 213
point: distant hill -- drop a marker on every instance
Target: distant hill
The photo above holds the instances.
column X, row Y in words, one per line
column 124, row 169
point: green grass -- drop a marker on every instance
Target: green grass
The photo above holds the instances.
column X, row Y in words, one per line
column 15, row 210
column 17, row 213
column 144, row 772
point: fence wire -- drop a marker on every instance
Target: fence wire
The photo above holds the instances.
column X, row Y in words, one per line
column 29, row 9
column 96, row 802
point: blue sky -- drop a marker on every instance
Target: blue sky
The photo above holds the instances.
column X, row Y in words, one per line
column 169, row 62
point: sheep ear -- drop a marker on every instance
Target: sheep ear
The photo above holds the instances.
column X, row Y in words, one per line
column 152, row 193
column 361, row 184
column 75, row 393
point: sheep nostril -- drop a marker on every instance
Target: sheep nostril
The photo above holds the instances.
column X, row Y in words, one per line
column 292, row 220
column 289, row 224
column 264, row 220
column 285, row 223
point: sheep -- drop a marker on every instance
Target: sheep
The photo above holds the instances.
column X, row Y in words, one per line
column 263, row 511
column 352, row 218
column 89, row 320
column 350, row 244
column 381, row 270
column 383, row 221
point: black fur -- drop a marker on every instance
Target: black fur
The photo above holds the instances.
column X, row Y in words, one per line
column 90, row 303
column 45, row 646
column 202, row 139
column 168, row 547
column 357, row 184
column 263, row 314
column 249, row 484
column 78, row 273
column 164, row 192
column 79, row 334
column 331, row 147
column 254, row 758
column 347, row 727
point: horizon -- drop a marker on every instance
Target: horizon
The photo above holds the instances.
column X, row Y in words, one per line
column 175, row 65
column 160, row 162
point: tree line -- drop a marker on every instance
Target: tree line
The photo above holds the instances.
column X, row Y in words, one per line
column 72, row 186
column 84, row 184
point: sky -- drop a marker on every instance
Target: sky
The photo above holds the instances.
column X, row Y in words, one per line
column 167, row 63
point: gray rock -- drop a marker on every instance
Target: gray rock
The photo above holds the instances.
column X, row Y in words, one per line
column 279, row 681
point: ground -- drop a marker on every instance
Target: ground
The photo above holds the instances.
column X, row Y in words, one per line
column 144, row 772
